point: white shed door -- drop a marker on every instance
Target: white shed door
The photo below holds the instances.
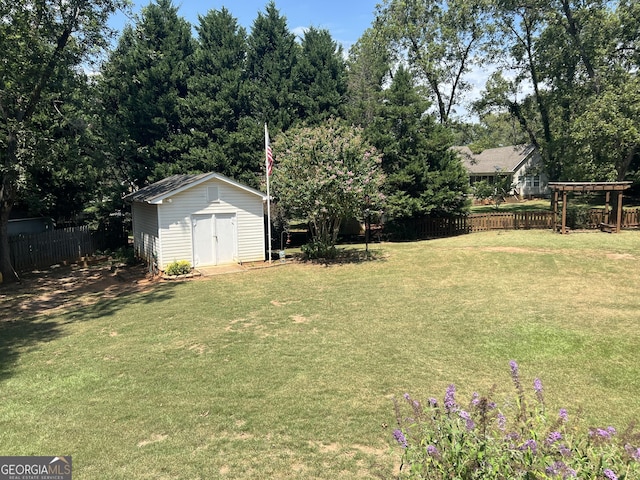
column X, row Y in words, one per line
column 225, row 234
column 203, row 240
column 214, row 239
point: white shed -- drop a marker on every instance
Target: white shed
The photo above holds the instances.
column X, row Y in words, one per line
column 207, row 219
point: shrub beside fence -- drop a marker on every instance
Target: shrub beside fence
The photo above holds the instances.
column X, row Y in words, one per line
column 41, row 250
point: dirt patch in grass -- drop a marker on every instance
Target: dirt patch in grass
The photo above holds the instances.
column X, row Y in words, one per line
column 46, row 292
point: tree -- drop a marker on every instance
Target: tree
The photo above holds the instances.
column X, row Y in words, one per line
column 321, row 73
column 423, row 175
column 492, row 131
column 216, row 108
column 144, row 110
column 44, row 45
column 323, row 175
column 440, row 39
column 574, row 58
column 271, row 57
column 368, row 67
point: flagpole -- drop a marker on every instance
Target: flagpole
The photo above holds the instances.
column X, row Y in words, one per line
column 268, row 172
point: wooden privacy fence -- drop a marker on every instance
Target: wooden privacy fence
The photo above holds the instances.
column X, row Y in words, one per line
column 480, row 222
column 429, row 227
column 41, row 250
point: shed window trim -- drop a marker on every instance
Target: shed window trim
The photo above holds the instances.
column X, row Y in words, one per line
column 213, row 194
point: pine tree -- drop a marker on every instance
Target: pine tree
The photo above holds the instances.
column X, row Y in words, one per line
column 423, row 175
column 215, row 109
column 271, row 59
column 143, row 84
column 321, row 72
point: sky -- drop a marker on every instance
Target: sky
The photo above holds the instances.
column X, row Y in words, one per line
column 346, row 20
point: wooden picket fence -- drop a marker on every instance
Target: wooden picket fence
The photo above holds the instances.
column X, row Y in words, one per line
column 481, row 222
column 41, row 250
column 431, row 227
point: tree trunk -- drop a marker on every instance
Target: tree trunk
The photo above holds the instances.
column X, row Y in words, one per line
column 8, row 273
column 7, row 198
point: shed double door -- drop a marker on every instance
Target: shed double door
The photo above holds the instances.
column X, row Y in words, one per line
column 214, row 239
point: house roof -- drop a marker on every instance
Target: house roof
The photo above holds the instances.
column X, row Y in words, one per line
column 492, row 160
column 157, row 192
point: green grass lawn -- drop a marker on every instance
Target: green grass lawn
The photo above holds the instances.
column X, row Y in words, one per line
column 288, row 372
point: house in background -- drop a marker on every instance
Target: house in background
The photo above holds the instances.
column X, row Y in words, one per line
column 522, row 163
column 207, row 219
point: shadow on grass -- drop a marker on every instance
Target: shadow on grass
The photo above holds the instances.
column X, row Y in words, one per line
column 347, row 256
column 24, row 332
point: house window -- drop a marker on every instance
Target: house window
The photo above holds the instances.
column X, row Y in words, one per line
column 213, row 195
column 528, row 180
column 536, row 181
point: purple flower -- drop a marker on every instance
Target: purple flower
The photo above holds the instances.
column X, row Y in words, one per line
column 564, row 450
column 537, row 385
column 433, row 451
column 530, row 445
column 502, row 421
column 513, row 436
column 557, row 468
column 603, row 433
column 406, row 396
column 514, row 368
column 554, row 437
column 467, row 418
column 450, row 399
column 564, row 416
column 475, row 399
column 633, row 452
column 569, row 472
column 515, row 375
column 433, row 402
column 610, row 474
column 400, row 438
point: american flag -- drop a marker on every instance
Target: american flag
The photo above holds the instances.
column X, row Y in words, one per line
column 267, row 145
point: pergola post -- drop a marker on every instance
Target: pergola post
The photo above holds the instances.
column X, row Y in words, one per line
column 619, row 218
column 555, row 210
column 564, row 212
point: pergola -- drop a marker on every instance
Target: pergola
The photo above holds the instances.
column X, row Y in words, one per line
column 583, row 187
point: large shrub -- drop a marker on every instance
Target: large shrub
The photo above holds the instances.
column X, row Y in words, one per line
column 323, row 175
column 518, row 440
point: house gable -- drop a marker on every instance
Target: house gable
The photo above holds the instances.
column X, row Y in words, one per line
column 522, row 162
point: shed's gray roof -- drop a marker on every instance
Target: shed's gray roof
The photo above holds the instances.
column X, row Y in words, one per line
column 157, row 192
column 502, row 159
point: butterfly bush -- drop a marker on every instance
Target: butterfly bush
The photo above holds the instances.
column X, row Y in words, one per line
column 520, row 439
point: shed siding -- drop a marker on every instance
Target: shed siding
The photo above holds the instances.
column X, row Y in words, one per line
column 145, row 231
column 175, row 230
